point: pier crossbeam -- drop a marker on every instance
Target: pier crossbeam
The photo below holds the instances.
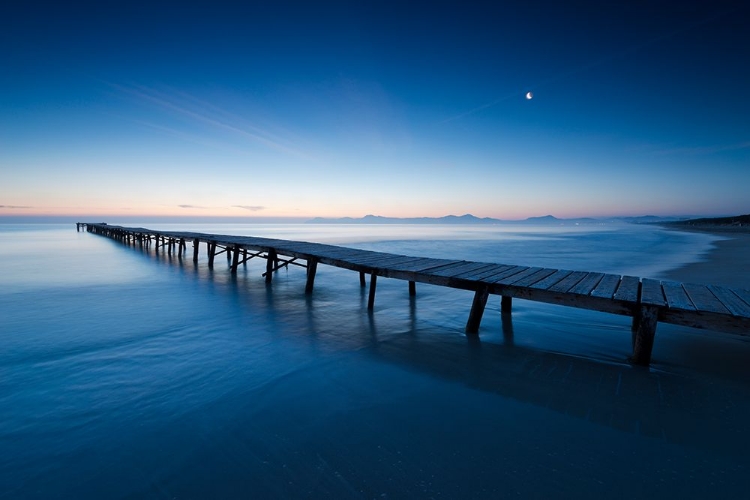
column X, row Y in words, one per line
column 647, row 301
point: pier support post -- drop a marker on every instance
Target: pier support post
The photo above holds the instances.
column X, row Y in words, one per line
column 412, row 289
column 270, row 259
column 362, row 281
column 235, row 259
column 371, row 299
column 645, row 320
column 312, row 267
column 506, row 304
column 477, row 310
column 196, row 246
column 211, row 253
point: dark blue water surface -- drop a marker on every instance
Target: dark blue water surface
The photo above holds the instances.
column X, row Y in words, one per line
column 125, row 374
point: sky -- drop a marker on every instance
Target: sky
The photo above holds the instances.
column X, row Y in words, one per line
column 400, row 109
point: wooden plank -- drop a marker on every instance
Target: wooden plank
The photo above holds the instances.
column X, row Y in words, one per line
column 565, row 299
column 437, row 265
column 731, row 301
column 377, row 257
column 502, row 274
column 471, row 270
column 343, row 253
column 404, row 262
column 382, row 262
column 364, row 258
column 510, row 278
column 464, row 268
column 743, row 294
column 628, row 289
column 448, row 267
column 676, row 296
column 652, row 293
column 483, row 273
column 704, row 299
column 587, row 284
column 569, row 282
column 709, row 321
column 606, row 287
column 534, row 278
column 550, row 280
column 421, row 264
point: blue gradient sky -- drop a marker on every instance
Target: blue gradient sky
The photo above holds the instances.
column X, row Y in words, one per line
column 297, row 109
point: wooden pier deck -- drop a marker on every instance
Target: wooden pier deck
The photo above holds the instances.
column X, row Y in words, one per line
column 647, row 301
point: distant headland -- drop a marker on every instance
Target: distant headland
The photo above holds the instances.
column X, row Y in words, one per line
column 740, row 223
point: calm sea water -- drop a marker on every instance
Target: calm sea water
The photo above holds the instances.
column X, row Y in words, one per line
column 125, row 374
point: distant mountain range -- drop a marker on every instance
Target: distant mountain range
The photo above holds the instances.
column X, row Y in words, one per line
column 471, row 219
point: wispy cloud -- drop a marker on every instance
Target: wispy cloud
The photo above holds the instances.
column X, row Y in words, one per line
column 209, row 114
column 483, row 106
column 252, row 208
column 14, row 206
column 193, row 206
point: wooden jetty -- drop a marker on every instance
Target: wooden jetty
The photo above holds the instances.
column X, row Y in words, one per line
column 647, row 301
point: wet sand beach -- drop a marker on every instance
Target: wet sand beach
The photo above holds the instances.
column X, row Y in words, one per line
column 728, row 264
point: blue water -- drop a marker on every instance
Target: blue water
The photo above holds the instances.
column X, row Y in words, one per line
column 125, row 374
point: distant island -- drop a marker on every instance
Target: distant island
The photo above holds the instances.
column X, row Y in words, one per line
column 471, row 219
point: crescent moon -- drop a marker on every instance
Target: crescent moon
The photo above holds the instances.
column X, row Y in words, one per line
column 529, row 95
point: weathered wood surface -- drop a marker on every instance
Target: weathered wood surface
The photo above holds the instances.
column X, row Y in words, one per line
column 646, row 300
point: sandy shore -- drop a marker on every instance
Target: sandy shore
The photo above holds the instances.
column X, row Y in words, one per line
column 727, row 264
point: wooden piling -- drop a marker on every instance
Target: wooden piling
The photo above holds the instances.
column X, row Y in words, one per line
column 270, row 260
column 362, row 281
column 312, row 267
column 477, row 310
column 371, row 299
column 412, row 289
column 506, row 304
column 235, row 259
column 211, row 253
column 644, row 329
column 196, row 246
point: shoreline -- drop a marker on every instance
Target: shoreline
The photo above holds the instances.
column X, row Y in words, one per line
column 726, row 264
